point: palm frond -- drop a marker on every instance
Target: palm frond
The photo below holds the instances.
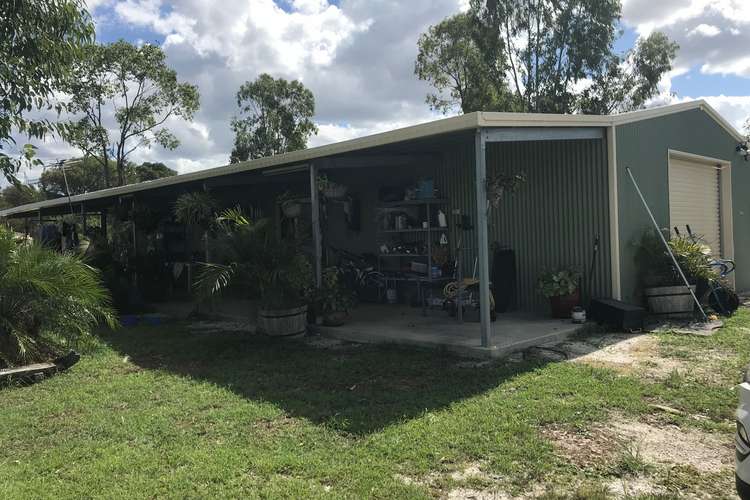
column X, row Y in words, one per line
column 213, row 278
column 47, row 297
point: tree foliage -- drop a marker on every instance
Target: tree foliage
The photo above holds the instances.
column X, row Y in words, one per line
column 84, row 175
column 133, row 90
column 275, row 117
column 150, row 171
column 553, row 56
column 48, row 301
column 450, row 60
column 39, row 41
column 16, row 195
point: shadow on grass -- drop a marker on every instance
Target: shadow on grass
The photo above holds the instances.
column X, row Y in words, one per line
column 353, row 389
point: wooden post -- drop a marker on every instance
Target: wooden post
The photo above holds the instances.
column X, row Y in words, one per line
column 103, row 222
column 317, row 235
column 483, row 246
column 83, row 220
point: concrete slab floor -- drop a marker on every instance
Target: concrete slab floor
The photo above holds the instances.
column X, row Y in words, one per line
column 400, row 324
column 397, row 324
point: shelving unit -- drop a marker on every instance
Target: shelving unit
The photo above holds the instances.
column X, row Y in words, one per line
column 425, row 236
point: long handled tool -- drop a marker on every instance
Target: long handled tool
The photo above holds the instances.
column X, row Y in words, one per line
column 590, row 277
column 666, row 245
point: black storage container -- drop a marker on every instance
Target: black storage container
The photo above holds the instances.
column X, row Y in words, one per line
column 504, row 279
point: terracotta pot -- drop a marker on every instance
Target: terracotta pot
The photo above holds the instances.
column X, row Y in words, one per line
column 563, row 305
column 336, row 318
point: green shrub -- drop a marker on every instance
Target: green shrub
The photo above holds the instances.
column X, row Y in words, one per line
column 559, row 283
column 48, row 301
column 656, row 268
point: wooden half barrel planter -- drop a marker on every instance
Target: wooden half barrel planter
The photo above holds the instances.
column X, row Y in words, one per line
column 670, row 300
column 282, row 322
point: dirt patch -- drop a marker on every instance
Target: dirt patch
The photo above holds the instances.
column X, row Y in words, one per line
column 632, row 354
column 669, row 445
column 666, row 445
column 469, row 494
column 587, row 449
column 629, row 487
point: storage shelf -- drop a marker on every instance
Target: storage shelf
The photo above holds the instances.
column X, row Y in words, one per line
column 411, row 203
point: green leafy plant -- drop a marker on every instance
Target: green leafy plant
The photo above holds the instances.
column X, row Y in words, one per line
column 251, row 257
column 48, row 301
column 656, row 268
column 322, row 181
column 41, row 40
column 195, row 209
column 333, row 295
column 559, row 283
column 498, row 185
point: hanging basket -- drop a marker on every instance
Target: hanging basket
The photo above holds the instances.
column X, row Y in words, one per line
column 291, row 209
column 335, row 191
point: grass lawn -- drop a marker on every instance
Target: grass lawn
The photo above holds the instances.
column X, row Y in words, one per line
column 175, row 412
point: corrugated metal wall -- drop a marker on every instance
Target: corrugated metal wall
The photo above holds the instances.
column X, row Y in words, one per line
column 552, row 220
column 455, row 181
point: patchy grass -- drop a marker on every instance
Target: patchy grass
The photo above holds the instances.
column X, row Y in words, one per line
column 175, row 412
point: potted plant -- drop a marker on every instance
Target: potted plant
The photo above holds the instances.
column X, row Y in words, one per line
column 196, row 211
column 333, row 299
column 499, row 184
column 252, row 258
column 663, row 287
column 290, row 207
column 561, row 287
column 331, row 190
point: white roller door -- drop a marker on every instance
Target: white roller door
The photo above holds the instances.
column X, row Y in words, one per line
column 695, row 199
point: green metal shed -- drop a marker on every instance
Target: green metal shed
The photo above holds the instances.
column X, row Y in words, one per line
column 684, row 157
column 658, row 145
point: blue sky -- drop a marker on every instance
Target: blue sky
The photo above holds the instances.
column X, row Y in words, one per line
column 358, row 55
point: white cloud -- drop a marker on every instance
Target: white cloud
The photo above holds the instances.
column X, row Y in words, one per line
column 706, row 30
column 713, row 34
column 358, row 57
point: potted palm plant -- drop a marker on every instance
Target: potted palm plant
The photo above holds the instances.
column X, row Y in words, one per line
column 561, row 287
column 252, row 258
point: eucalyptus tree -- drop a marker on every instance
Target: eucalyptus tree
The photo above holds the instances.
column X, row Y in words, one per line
column 275, row 117
column 123, row 97
column 451, row 61
column 554, row 56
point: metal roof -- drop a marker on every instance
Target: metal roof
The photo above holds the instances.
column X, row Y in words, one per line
column 425, row 130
